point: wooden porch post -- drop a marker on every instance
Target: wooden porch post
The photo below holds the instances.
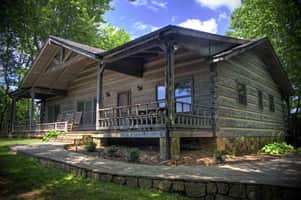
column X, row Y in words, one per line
column 99, row 97
column 170, row 97
column 213, row 97
column 32, row 108
column 42, row 111
column 12, row 116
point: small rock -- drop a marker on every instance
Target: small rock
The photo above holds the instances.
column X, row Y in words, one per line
column 195, row 189
column 119, row 180
column 145, row 183
column 222, row 188
column 164, row 185
column 237, row 190
column 95, row 176
column 211, row 188
column 223, row 197
column 106, row 178
column 209, row 197
column 253, row 192
column 132, row 182
column 178, row 186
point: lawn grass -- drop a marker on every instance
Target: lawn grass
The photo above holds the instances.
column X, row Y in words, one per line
column 21, row 177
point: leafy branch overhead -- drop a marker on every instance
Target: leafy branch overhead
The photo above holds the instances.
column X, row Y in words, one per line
column 26, row 24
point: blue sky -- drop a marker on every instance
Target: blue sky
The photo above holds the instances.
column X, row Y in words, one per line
column 143, row 16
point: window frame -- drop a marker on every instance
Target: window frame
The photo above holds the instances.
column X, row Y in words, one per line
column 242, row 100
column 184, row 96
column 260, row 99
column 271, row 103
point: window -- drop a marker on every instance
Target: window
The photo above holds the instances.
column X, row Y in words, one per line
column 183, row 95
column 242, row 93
column 272, row 104
column 160, row 93
column 87, row 107
column 260, row 100
column 53, row 112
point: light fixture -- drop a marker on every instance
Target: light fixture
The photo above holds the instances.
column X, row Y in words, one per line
column 139, row 87
column 175, row 47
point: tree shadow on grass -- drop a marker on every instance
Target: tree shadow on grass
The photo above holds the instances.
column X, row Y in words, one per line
column 28, row 179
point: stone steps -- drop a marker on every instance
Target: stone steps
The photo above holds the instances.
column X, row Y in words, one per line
column 71, row 136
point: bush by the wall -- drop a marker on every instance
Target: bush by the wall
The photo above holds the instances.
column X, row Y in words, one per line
column 133, row 155
column 90, row 146
column 219, row 156
column 298, row 150
column 277, row 148
column 51, row 134
column 111, row 150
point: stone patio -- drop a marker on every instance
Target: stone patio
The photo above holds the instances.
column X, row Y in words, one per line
column 275, row 179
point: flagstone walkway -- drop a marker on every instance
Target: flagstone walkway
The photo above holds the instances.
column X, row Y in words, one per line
column 284, row 172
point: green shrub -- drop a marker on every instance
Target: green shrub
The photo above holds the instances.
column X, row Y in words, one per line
column 298, row 150
column 111, row 150
column 133, row 155
column 90, row 146
column 277, row 148
column 219, row 155
column 51, row 134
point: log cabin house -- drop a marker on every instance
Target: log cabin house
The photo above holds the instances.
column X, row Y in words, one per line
column 171, row 85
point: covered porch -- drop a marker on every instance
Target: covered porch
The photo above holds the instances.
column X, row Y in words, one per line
column 56, row 67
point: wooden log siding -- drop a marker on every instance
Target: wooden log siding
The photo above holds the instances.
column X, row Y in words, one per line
column 239, row 120
column 188, row 65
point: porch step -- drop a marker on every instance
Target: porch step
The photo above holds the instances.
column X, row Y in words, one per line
column 70, row 137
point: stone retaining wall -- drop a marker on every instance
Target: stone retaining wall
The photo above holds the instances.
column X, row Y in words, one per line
column 207, row 190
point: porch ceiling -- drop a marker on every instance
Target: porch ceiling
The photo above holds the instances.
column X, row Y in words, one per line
column 56, row 66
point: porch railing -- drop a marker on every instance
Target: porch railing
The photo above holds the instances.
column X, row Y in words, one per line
column 153, row 115
column 40, row 127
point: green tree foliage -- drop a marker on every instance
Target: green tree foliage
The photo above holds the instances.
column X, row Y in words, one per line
column 26, row 24
column 280, row 21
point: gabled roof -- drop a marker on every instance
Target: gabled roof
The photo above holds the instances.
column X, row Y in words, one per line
column 172, row 31
column 263, row 49
column 130, row 57
column 77, row 47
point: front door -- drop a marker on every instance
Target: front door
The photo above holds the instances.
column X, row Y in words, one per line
column 123, row 100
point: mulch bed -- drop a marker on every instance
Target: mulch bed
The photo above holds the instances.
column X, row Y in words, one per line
column 150, row 156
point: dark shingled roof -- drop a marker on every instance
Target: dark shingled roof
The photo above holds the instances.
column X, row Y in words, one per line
column 77, row 47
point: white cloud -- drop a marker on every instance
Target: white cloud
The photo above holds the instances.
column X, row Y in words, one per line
column 144, row 27
column 214, row 4
column 159, row 4
column 222, row 16
column 140, row 28
column 139, row 2
column 207, row 26
column 153, row 5
column 173, row 19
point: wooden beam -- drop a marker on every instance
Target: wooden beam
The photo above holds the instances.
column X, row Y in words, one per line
column 50, row 92
column 12, row 116
column 203, row 47
column 75, row 59
column 213, row 96
column 132, row 67
column 132, row 51
column 99, row 88
column 169, row 91
column 32, row 107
